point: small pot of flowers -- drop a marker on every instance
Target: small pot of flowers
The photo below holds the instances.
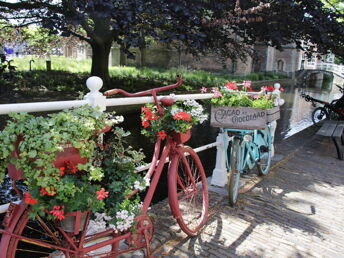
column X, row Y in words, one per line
column 176, row 120
column 241, row 108
column 54, row 155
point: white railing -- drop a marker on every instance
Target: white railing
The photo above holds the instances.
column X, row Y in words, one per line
column 96, row 99
column 339, row 69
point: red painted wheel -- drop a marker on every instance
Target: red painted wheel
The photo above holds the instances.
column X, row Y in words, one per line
column 188, row 191
column 39, row 230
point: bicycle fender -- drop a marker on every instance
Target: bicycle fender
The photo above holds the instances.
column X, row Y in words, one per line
column 13, row 214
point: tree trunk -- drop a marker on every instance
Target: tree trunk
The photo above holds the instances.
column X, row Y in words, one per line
column 100, row 59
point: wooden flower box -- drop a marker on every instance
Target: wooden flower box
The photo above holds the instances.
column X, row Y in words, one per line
column 242, row 117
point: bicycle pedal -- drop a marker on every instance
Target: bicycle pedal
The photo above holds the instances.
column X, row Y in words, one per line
column 263, row 148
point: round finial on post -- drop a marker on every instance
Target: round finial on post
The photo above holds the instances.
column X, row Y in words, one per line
column 94, row 83
column 94, row 97
column 277, row 86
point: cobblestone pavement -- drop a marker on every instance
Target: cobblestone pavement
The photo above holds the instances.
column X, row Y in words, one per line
column 295, row 211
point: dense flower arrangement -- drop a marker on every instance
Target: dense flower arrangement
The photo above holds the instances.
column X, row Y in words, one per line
column 178, row 118
column 239, row 95
column 55, row 190
column 119, row 162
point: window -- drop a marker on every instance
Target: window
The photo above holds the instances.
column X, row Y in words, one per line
column 280, row 65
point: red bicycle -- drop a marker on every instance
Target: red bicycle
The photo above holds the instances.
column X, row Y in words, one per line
column 187, row 194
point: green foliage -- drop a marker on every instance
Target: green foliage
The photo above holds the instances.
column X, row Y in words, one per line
column 39, row 41
column 40, row 139
column 232, row 98
column 58, row 63
column 71, row 75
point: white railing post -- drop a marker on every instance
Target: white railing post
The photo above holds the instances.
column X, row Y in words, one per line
column 94, row 97
column 277, row 102
column 219, row 177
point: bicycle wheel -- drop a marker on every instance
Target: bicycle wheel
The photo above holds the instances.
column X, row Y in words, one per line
column 188, row 191
column 235, row 163
column 39, row 230
column 319, row 114
column 264, row 143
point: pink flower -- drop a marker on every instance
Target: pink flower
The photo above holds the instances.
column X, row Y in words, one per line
column 231, row 85
column 162, row 135
column 204, row 90
column 217, row 93
column 256, row 96
column 182, row 116
column 247, row 84
column 102, row 194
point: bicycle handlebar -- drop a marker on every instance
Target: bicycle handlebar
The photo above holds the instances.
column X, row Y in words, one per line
column 309, row 98
column 146, row 92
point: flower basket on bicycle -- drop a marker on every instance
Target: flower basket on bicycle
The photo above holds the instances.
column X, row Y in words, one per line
column 54, row 155
column 176, row 120
column 243, row 109
column 181, row 137
column 68, row 154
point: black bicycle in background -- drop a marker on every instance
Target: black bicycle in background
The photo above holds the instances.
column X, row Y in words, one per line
column 329, row 111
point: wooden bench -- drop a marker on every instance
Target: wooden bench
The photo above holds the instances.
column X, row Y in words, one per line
column 335, row 130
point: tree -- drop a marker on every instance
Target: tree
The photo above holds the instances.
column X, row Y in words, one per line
column 226, row 27
column 39, row 41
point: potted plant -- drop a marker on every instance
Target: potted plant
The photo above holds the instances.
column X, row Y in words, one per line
column 55, row 156
column 177, row 120
column 241, row 108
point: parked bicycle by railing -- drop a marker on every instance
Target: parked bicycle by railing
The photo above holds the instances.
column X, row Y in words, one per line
column 187, row 193
column 333, row 110
column 246, row 148
column 247, row 120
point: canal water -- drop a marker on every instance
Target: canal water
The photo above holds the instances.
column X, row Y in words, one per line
column 295, row 116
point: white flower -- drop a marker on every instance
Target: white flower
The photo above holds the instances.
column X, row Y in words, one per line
column 175, row 110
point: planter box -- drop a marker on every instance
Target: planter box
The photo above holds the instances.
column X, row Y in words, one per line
column 242, row 117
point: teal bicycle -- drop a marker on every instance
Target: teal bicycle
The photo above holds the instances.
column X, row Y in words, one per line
column 246, row 148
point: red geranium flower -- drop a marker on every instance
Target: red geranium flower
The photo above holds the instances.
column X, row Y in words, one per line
column 231, row 86
column 58, row 211
column 62, row 171
column 44, row 191
column 162, row 135
column 145, row 123
column 102, row 194
column 29, row 200
column 182, row 116
column 148, row 112
column 268, row 88
column 72, row 168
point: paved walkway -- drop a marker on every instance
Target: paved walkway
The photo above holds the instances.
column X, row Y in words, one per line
column 295, row 211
